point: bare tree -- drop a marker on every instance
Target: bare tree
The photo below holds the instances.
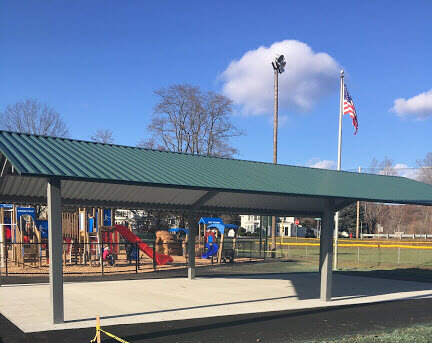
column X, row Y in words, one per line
column 32, row 116
column 374, row 166
column 386, row 167
column 187, row 119
column 398, row 217
column 425, row 169
column 424, row 174
column 372, row 211
column 103, row 136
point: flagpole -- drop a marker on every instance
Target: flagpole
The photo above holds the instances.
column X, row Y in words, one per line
column 336, row 232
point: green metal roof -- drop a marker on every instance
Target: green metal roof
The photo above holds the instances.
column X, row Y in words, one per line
column 41, row 156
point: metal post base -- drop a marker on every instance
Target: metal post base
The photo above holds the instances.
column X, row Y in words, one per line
column 191, row 273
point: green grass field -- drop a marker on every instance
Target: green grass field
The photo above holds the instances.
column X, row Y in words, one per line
column 418, row 334
column 364, row 256
column 352, row 257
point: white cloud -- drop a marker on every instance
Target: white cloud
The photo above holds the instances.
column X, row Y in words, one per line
column 400, row 169
column 308, row 76
column 406, row 171
column 322, row 164
column 419, row 106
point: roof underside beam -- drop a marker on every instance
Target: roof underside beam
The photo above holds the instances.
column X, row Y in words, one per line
column 6, row 168
column 160, row 207
column 32, row 190
column 201, row 201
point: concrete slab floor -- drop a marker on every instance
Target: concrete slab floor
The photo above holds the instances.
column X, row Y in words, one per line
column 143, row 301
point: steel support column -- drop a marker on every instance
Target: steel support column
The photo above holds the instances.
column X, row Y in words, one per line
column 326, row 250
column 191, row 246
column 55, row 241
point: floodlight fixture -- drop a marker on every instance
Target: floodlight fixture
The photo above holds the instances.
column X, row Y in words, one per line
column 279, row 64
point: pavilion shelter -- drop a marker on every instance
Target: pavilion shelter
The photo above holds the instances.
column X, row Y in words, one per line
column 60, row 172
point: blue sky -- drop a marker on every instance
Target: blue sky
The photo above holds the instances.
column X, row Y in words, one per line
column 98, row 63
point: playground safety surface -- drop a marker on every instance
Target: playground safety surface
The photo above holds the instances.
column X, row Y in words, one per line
column 159, row 300
column 270, row 327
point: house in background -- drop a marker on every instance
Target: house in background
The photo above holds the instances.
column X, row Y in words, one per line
column 285, row 225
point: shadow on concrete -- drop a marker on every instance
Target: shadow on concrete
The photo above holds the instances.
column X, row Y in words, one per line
column 180, row 309
column 345, row 285
column 306, row 287
column 404, row 274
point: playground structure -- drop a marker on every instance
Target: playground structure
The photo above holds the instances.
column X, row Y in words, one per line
column 169, row 244
column 85, row 234
column 209, row 230
column 19, row 225
column 182, row 235
column 109, row 232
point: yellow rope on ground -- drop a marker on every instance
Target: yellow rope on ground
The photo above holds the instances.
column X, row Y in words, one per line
column 98, row 328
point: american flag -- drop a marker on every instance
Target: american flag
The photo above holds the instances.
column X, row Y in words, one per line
column 348, row 108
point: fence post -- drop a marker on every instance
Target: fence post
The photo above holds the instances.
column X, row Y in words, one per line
column 398, row 260
column 379, row 254
column 101, row 257
column 136, row 257
column 289, row 252
column 358, row 253
column 280, row 246
column 98, row 335
column 154, row 256
column 6, row 259
column 250, row 251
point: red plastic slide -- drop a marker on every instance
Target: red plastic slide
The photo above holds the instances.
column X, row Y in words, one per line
column 129, row 236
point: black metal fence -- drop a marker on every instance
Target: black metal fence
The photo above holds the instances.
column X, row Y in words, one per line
column 103, row 258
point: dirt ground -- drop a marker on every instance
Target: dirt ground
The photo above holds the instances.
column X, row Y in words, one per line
column 121, row 266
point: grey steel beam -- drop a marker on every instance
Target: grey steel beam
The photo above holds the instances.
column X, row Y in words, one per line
column 55, row 242
column 191, row 246
column 202, row 200
column 326, row 250
column 197, row 205
column 162, row 207
column 262, row 212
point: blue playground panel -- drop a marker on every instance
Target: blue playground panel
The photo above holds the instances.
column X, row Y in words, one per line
column 177, row 230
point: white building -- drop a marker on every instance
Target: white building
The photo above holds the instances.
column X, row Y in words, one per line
column 127, row 216
column 285, row 225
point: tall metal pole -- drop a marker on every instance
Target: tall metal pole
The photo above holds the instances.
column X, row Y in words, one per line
column 275, row 135
column 275, row 120
column 336, row 232
column 358, row 213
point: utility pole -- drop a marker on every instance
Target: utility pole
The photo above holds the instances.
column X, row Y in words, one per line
column 278, row 67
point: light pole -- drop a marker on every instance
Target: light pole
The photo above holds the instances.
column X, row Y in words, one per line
column 278, row 67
